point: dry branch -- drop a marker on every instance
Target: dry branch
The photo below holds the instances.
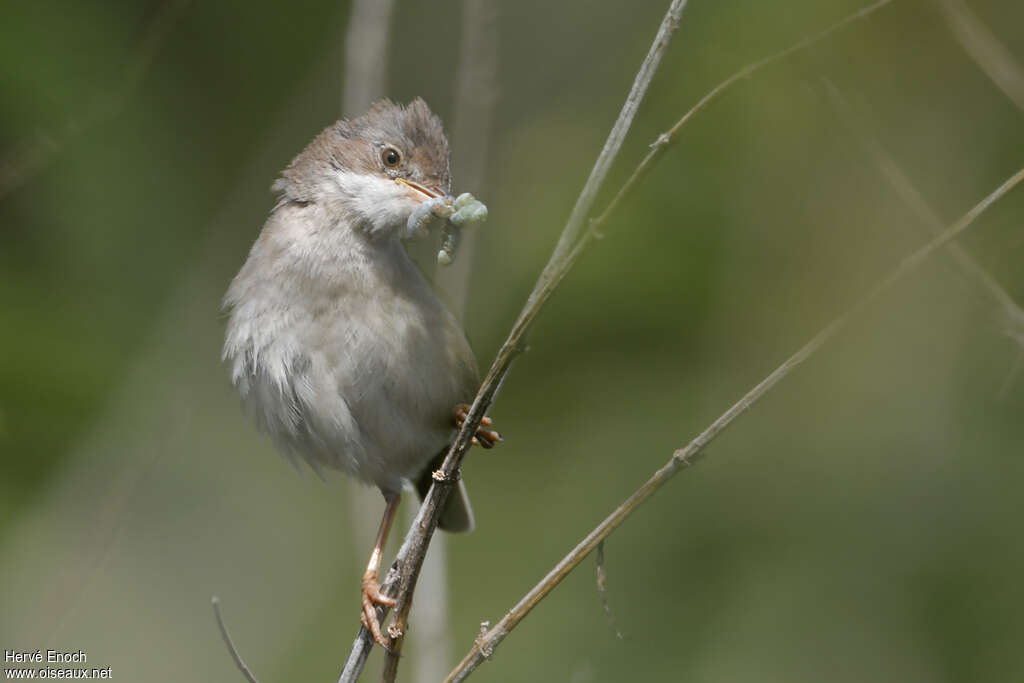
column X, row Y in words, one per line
column 401, row 578
column 659, row 146
column 485, row 645
column 239, row 662
column 1009, row 315
column 574, row 238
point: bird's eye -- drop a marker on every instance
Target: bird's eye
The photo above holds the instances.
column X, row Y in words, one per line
column 390, row 157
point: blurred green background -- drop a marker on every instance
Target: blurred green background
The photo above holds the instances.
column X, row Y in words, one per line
column 863, row 522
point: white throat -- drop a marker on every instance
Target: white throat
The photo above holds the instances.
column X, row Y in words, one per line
column 381, row 204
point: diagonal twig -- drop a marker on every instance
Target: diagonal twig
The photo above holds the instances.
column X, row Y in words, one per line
column 576, row 235
column 215, row 601
column 684, row 457
column 400, row 581
column 662, row 143
column 1009, row 314
column 982, row 45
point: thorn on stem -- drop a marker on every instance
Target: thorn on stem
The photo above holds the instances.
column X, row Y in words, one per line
column 661, row 141
column 438, row 475
column 602, row 588
column 481, row 640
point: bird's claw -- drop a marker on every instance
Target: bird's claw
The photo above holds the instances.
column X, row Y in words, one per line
column 372, row 597
column 484, row 437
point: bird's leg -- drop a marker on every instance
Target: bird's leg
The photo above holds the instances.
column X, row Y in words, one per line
column 371, row 587
column 484, row 437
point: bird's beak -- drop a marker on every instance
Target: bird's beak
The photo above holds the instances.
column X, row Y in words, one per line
column 426, row 193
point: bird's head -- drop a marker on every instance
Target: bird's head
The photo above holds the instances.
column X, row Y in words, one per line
column 373, row 170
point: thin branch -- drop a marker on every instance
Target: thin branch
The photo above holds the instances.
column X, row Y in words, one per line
column 659, row 146
column 409, row 561
column 575, row 237
column 982, row 45
column 666, row 139
column 1009, row 314
column 401, row 578
column 684, row 457
column 215, row 601
column 476, row 95
column 474, row 105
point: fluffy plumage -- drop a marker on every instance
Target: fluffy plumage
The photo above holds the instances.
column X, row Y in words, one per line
column 338, row 346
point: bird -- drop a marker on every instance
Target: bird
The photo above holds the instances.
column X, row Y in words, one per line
column 340, row 349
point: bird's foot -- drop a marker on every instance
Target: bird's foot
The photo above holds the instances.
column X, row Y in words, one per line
column 484, row 436
column 372, row 597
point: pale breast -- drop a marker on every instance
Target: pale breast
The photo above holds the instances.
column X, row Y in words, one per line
column 399, row 363
column 359, row 371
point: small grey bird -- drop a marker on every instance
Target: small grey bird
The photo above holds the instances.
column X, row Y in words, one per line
column 341, row 351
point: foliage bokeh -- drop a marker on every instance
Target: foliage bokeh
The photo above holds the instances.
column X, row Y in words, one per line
column 861, row 523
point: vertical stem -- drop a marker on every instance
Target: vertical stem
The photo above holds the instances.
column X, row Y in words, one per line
column 364, row 80
column 366, row 55
column 475, row 97
column 429, row 657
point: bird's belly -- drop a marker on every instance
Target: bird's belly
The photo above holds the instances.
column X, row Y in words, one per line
column 375, row 392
